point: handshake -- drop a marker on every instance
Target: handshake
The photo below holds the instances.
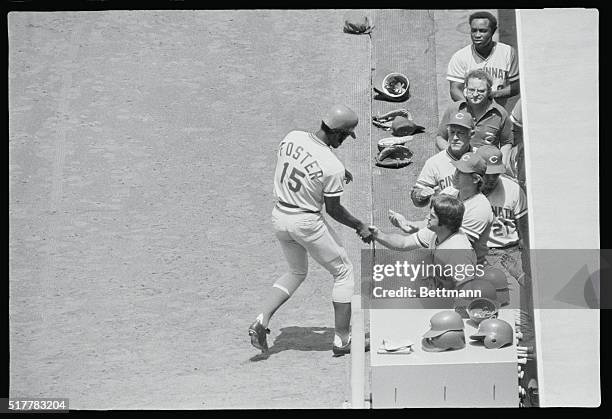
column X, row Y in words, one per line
column 371, row 232
column 364, row 232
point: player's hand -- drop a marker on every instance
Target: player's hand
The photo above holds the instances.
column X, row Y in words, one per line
column 348, row 176
column 426, row 192
column 364, row 233
column 399, row 221
column 396, row 218
column 374, row 231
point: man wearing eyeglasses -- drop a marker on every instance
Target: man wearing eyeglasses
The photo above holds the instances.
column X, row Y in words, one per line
column 492, row 125
column 499, row 60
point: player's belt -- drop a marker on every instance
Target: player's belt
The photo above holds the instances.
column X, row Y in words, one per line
column 286, row 205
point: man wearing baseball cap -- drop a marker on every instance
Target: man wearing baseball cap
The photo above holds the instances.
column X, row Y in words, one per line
column 508, row 202
column 468, row 179
column 492, row 123
column 467, row 183
column 438, row 171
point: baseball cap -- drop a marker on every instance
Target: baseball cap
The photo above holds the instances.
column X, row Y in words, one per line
column 471, row 162
column 461, row 118
column 493, row 158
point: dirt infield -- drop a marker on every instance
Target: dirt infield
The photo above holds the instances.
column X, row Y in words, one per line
column 142, row 148
column 141, row 157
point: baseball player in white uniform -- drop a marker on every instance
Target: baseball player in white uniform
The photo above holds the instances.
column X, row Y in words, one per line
column 499, row 60
column 437, row 172
column 442, row 235
column 507, row 199
column 308, row 175
column 478, row 217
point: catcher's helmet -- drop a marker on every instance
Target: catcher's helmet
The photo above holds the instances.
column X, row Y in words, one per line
column 391, row 85
column 443, row 322
column 497, row 277
column 453, row 339
column 341, row 118
column 495, row 333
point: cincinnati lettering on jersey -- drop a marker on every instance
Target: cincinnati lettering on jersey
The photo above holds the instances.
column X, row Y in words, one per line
column 506, row 213
column 303, row 157
column 496, row 73
column 446, row 182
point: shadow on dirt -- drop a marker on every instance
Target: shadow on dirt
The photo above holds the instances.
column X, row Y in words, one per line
column 299, row 339
column 404, row 98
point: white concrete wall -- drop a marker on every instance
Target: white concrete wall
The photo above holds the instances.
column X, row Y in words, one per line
column 558, row 56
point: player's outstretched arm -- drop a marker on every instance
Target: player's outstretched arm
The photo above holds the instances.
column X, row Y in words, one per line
column 335, row 210
column 394, row 241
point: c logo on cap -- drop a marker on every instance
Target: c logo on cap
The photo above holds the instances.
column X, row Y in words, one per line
column 465, row 157
column 493, row 159
column 459, row 116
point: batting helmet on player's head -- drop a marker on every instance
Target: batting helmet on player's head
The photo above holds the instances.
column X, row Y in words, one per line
column 341, row 118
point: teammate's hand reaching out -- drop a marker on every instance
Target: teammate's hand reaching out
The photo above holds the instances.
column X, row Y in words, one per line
column 425, row 192
column 399, row 221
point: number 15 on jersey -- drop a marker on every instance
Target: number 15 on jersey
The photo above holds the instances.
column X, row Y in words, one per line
column 294, row 179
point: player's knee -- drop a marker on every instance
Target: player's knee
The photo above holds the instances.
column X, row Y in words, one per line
column 299, row 274
column 290, row 282
column 345, row 272
column 344, row 282
column 340, row 267
column 343, row 290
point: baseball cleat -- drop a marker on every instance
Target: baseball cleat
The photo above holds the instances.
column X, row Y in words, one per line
column 346, row 349
column 258, row 336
